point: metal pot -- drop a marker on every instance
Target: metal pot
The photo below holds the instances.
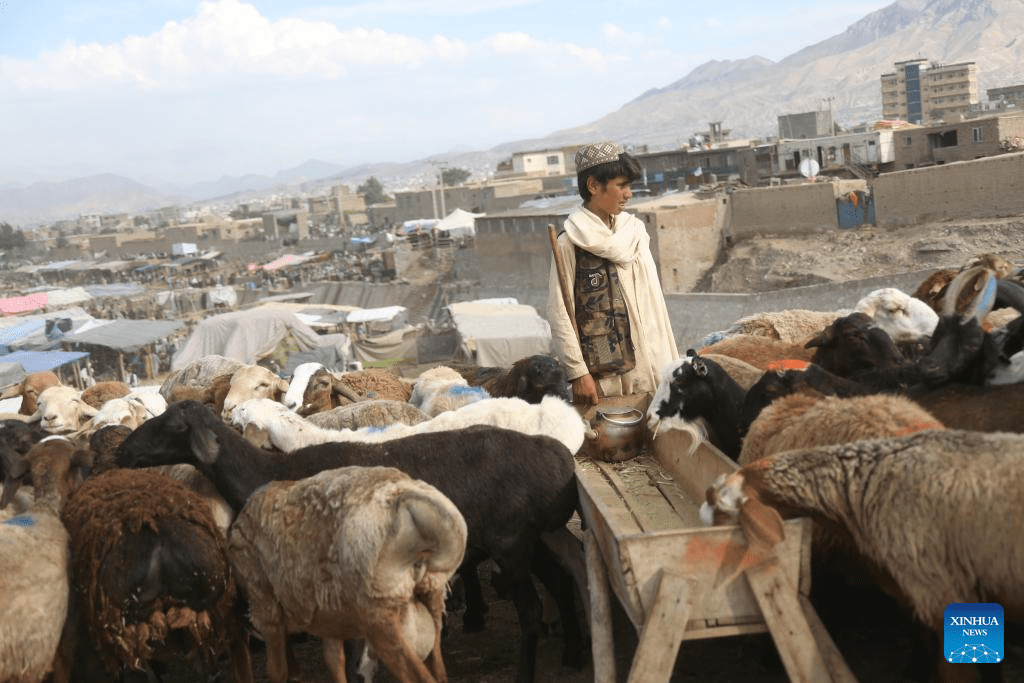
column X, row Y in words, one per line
column 620, row 433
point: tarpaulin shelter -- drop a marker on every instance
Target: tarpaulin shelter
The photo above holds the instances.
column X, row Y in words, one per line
column 499, row 334
column 40, row 330
column 55, row 361
column 10, row 374
column 253, row 335
column 109, row 344
column 459, row 223
column 393, row 348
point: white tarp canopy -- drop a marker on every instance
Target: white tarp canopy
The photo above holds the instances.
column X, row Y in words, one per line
column 366, row 315
column 459, row 223
column 252, row 335
column 499, row 334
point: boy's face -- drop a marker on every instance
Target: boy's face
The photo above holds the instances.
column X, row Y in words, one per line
column 609, row 199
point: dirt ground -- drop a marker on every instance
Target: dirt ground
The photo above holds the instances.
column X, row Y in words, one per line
column 767, row 263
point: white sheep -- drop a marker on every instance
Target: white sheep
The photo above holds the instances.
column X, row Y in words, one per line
column 252, row 381
column 265, row 421
column 902, row 316
column 198, row 374
column 298, row 383
column 61, row 410
column 354, row 552
column 35, row 566
column 938, row 511
column 442, row 388
column 131, row 411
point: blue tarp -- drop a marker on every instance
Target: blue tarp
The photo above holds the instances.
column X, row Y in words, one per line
column 10, row 335
column 38, row 361
column 126, row 289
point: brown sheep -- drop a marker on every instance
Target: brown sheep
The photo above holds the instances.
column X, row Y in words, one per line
column 101, row 392
column 759, row 351
column 30, row 388
column 327, row 390
column 152, row 579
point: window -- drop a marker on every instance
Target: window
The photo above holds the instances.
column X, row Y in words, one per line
column 553, row 160
column 908, row 140
column 978, row 134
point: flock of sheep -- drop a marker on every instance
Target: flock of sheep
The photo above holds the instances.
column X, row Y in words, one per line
column 140, row 530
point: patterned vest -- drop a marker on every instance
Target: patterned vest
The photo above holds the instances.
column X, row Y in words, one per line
column 601, row 317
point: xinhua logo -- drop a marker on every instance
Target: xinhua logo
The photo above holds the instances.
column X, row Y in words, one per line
column 973, row 633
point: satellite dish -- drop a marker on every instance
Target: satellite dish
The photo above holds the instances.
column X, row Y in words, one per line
column 809, row 168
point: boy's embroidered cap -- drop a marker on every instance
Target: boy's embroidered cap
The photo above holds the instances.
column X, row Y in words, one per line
column 592, row 155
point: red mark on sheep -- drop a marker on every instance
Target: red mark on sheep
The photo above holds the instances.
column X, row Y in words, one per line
column 788, row 364
column 918, row 426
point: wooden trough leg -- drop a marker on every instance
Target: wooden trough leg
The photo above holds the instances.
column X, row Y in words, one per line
column 841, row 672
column 797, row 646
column 602, row 642
column 655, row 656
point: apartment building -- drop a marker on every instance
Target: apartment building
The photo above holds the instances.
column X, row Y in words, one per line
column 961, row 141
column 920, row 91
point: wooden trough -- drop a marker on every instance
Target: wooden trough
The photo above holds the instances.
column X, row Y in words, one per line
column 679, row 580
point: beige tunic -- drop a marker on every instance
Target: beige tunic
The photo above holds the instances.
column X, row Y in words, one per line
column 628, row 247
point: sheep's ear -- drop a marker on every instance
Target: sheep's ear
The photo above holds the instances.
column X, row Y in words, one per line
column 255, row 435
column 88, row 410
column 204, row 443
column 762, row 523
column 820, row 339
column 280, row 388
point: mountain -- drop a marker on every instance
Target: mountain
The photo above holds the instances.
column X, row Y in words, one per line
column 105, row 193
column 748, row 95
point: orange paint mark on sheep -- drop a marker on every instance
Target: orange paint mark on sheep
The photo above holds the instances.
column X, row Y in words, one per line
column 788, row 364
column 918, row 426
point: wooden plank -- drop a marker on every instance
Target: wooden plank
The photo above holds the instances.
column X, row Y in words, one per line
column 695, row 472
column 700, row 553
column 608, row 519
column 781, row 609
column 841, row 672
column 648, row 506
column 602, row 640
column 663, row 631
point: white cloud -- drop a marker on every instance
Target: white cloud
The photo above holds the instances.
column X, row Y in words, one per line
column 664, row 23
column 612, row 31
column 711, row 22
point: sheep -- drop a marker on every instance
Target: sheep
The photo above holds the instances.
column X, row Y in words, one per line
column 369, row 413
column 328, row 390
column 298, row 383
column 35, row 566
column 212, row 395
column 264, row 421
column 152, row 577
column 700, row 388
column 805, row 420
column 758, row 351
column 915, row 506
column 441, row 389
column 16, row 439
column 510, row 489
column 353, row 552
column 903, row 317
column 252, row 381
column 531, row 378
column 29, row 388
column 60, row 409
column 198, row 374
column 790, row 325
column 131, row 411
column 101, row 392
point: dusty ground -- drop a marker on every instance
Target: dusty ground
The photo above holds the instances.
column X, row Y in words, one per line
column 768, row 263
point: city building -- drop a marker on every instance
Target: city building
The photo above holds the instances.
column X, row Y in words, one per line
column 920, row 91
column 962, row 141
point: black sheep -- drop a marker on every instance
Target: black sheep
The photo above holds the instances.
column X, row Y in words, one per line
column 510, row 488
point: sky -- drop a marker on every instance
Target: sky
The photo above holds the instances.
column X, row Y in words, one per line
column 185, row 91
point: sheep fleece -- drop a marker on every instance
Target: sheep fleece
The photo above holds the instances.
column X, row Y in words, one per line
column 939, row 510
column 283, row 522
